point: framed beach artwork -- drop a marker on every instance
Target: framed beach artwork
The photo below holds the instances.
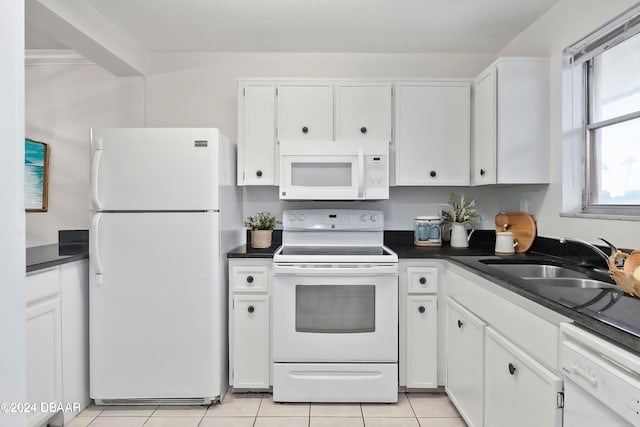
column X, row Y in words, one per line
column 36, row 171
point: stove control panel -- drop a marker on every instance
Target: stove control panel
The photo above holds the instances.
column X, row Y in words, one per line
column 333, row 219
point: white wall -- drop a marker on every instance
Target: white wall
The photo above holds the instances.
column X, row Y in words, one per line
column 13, row 376
column 201, row 90
column 561, row 26
column 62, row 103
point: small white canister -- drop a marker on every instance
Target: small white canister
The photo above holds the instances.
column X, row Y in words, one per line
column 427, row 231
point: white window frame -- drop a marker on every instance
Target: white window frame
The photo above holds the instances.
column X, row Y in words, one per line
column 577, row 128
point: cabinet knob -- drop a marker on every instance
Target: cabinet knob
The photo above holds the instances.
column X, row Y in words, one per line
column 423, row 280
column 460, row 323
column 421, row 309
column 512, row 369
column 363, row 129
column 258, row 174
column 482, row 172
column 251, row 309
column 249, row 279
column 305, row 129
column 432, row 174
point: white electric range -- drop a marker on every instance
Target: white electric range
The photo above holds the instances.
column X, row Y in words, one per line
column 335, row 305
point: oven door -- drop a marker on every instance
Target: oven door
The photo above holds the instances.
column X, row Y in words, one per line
column 335, row 313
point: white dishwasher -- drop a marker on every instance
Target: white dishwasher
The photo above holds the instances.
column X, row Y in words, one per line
column 601, row 381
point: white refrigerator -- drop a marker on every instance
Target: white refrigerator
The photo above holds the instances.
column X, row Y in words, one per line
column 164, row 211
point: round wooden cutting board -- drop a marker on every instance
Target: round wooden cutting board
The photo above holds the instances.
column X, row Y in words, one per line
column 521, row 224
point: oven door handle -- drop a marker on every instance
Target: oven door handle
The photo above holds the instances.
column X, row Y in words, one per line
column 335, row 269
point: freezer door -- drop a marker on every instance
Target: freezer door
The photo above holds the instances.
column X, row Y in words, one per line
column 150, row 169
column 157, row 310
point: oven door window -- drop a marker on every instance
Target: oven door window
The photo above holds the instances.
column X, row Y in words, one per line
column 335, row 309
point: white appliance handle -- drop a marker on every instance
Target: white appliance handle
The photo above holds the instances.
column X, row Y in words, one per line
column 582, row 373
column 361, row 180
column 95, row 170
column 335, row 269
column 94, row 241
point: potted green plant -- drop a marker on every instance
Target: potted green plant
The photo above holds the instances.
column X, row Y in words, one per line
column 460, row 215
column 261, row 226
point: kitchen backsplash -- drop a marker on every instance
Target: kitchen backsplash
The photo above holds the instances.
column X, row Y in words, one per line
column 405, row 203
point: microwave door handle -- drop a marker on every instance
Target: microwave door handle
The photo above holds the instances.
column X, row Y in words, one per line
column 361, row 180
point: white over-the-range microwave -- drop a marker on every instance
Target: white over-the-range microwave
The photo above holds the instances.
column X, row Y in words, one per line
column 334, row 170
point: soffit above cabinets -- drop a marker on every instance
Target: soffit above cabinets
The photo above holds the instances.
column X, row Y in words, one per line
column 308, row 25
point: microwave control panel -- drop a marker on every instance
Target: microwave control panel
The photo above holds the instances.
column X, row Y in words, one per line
column 377, row 177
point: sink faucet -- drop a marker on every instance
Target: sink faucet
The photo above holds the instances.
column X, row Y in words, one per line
column 592, row 246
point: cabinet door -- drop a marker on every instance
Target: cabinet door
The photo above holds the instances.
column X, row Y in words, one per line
column 251, row 351
column 433, row 133
column 256, row 134
column 363, row 112
column 519, row 391
column 523, row 121
column 43, row 337
column 422, row 341
column 305, row 112
column 484, row 128
column 465, row 363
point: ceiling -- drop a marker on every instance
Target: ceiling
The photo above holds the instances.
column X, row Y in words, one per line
column 394, row 26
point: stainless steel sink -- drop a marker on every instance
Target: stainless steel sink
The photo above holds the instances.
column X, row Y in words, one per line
column 527, row 271
column 570, row 282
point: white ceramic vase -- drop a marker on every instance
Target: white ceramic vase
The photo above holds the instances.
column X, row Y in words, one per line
column 459, row 236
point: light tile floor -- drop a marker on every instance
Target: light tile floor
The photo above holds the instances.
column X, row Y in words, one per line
column 259, row 410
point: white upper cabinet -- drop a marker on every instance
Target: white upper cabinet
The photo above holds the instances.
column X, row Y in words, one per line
column 256, row 133
column 305, row 111
column 363, row 112
column 433, row 133
column 511, row 123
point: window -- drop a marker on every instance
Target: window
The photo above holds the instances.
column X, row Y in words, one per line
column 613, row 127
column 608, row 63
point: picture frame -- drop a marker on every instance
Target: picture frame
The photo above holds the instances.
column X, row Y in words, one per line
column 36, row 175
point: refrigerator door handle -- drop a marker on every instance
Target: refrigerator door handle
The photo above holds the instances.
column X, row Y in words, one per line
column 95, row 170
column 95, row 254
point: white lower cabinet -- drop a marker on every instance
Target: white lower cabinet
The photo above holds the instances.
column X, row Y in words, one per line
column 57, row 335
column 421, row 341
column 250, row 358
column 44, row 342
column 465, row 363
column 518, row 390
column 502, row 355
column 422, row 335
column 44, row 364
column 251, row 341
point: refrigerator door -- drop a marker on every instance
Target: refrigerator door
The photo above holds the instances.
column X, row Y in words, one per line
column 156, row 319
column 154, row 169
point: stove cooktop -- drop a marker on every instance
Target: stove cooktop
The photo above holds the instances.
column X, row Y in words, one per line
column 334, row 250
column 349, row 254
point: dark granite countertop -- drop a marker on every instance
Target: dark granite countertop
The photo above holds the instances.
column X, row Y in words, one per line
column 544, row 249
column 40, row 257
column 246, row 251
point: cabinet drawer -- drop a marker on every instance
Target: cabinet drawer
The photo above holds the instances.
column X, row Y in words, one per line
column 250, row 279
column 42, row 284
column 422, row 280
